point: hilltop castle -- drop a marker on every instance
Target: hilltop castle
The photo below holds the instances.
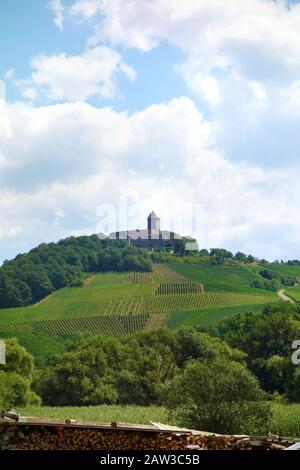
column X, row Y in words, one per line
column 152, row 237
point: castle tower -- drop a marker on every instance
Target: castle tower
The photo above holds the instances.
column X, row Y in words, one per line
column 153, row 225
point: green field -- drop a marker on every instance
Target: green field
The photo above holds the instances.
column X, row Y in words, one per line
column 101, row 413
column 285, row 420
column 125, row 303
column 40, row 346
column 209, row 316
column 293, row 292
column 233, row 278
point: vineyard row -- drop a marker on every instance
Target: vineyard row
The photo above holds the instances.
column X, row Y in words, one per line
column 102, row 325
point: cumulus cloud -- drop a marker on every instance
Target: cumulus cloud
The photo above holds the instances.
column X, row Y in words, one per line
column 252, row 36
column 71, row 159
column 258, row 40
column 62, row 164
column 64, row 77
column 242, row 62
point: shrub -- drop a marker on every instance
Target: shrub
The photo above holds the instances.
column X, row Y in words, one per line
column 16, row 377
column 218, row 396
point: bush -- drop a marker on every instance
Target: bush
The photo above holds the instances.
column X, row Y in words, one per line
column 218, row 396
column 293, row 387
column 16, row 377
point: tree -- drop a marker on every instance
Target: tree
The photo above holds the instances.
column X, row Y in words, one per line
column 18, row 360
column 204, row 252
column 16, row 377
column 179, row 246
column 77, row 377
column 39, row 284
column 195, row 345
column 221, row 253
column 218, row 396
column 266, row 338
column 293, row 386
column 108, row 370
column 13, row 390
column 58, row 276
column 30, row 277
column 149, row 362
column 241, row 257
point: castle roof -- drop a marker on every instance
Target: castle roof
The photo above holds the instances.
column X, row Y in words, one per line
column 153, row 215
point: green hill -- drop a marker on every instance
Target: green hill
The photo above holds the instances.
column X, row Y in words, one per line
column 123, row 303
column 179, row 291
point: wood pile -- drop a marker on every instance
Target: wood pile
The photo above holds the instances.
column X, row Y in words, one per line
column 68, row 436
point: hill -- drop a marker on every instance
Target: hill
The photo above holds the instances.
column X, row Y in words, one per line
column 87, row 285
column 49, row 267
column 123, row 303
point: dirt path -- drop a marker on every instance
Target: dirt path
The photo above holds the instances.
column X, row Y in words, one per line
column 283, row 296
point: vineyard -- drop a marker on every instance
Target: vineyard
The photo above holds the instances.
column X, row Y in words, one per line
column 180, row 288
column 122, row 304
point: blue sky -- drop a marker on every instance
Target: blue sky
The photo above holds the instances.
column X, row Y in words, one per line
column 27, row 30
column 114, row 109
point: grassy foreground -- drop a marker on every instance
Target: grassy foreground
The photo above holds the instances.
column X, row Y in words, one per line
column 285, row 421
column 105, row 413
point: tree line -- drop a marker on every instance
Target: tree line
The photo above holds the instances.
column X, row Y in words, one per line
column 51, row 266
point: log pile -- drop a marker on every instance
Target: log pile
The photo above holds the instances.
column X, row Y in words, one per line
column 37, row 436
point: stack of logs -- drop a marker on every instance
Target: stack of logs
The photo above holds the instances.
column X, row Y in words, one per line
column 42, row 437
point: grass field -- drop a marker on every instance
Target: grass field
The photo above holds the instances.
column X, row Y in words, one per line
column 233, row 278
column 125, row 303
column 208, row 316
column 220, row 278
column 293, row 292
column 102, row 413
column 285, row 420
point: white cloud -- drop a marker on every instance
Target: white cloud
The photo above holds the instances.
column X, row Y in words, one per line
column 86, row 8
column 200, row 81
column 2, row 91
column 70, row 158
column 241, row 63
column 244, row 33
column 58, row 9
column 246, row 51
column 71, row 78
column 59, row 163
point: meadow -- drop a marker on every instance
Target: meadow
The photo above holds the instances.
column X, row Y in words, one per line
column 285, row 420
column 294, row 293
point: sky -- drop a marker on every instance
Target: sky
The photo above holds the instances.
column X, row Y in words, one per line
column 110, row 109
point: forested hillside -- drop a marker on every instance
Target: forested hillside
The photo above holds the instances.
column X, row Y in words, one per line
column 30, row 277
